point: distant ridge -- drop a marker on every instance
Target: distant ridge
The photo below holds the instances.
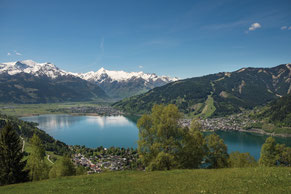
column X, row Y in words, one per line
column 31, row 82
column 217, row 94
column 120, row 84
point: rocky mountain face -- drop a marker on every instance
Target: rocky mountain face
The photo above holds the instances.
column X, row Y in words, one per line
column 217, row 94
column 121, row 84
column 31, row 82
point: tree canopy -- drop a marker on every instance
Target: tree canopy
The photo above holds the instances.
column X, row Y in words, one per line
column 165, row 144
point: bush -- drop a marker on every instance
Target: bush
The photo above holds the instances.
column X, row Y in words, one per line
column 241, row 160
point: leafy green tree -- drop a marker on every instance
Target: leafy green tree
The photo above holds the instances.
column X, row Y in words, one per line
column 36, row 161
column 63, row 167
column 240, row 160
column 159, row 132
column 217, row 155
column 163, row 161
column 11, row 157
column 195, row 125
column 80, row 170
column 283, row 155
column 193, row 147
column 286, row 157
column 269, row 154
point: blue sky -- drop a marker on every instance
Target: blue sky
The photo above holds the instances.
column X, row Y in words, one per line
column 169, row 37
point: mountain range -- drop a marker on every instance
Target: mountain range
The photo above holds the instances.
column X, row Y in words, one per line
column 121, row 84
column 31, row 82
column 216, row 94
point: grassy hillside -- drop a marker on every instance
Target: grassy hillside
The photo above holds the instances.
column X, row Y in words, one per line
column 217, row 94
column 243, row 180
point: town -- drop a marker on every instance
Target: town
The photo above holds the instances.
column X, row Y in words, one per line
column 96, row 110
column 235, row 122
column 103, row 159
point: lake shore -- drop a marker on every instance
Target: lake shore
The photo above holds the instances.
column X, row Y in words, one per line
column 230, row 124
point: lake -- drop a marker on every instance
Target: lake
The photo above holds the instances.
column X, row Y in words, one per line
column 121, row 131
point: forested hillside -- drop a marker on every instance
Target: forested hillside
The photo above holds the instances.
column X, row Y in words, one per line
column 278, row 112
column 217, row 94
column 27, row 129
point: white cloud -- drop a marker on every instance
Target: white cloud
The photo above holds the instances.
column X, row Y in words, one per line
column 140, row 66
column 254, row 26
column 289, row 28
column 13, row 53
column 283, row 27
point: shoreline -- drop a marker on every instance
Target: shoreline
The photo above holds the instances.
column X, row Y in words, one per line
column 71, row 114
column 258, row 131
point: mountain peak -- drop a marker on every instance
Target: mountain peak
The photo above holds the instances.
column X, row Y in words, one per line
column 31, row 67
column 28, row 62
column 102, row 70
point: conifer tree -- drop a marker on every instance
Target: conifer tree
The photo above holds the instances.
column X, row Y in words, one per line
column 11, row 157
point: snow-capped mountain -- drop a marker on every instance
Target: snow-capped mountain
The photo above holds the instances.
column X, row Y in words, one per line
column 121, row 76
column 121, row 84
column 117, row 84
column 33, row 68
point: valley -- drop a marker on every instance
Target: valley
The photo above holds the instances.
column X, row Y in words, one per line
column 149, row 96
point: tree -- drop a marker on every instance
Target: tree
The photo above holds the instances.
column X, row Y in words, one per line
column 286, row 157
column 11, row 157
column 240, row 160
column 193, row 147
column 63, row 167
column 163, row 161
column 269, row 153
column 195, row 125
column 283, row 155
column 217, row 156
column 36, row 161
column 160, row 132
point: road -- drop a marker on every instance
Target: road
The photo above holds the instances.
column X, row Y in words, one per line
column 48, row 158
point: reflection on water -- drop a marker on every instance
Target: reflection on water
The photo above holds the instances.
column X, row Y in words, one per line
column 109, row 121
column 91, row 131
column 52, row 122
column 94, row 131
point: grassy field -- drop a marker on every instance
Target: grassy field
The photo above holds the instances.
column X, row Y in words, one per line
column 36, row 109
column 209, row 108
column 53, row 156
column 244, row 180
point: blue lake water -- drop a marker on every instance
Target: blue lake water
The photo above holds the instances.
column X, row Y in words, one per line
column 107, row 131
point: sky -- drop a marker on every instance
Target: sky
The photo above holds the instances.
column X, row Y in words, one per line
column 179, row 38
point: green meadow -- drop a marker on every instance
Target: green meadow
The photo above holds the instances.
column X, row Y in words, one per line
column 228, row 180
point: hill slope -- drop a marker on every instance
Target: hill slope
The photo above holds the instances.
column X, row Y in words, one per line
column 217, row 94
column 244, row 180
column 278, row 112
